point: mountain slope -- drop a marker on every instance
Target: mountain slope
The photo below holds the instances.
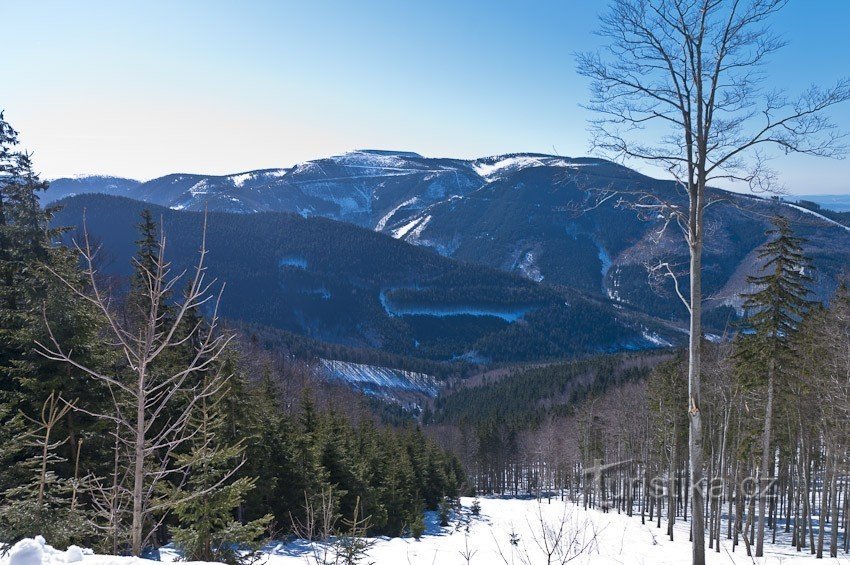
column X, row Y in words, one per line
column 342, row 284
column 530, row 214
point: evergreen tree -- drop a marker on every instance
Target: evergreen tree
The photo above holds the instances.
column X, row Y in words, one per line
column 775, row 309
column 209, row 529
column 32, row 270
column 42, row 502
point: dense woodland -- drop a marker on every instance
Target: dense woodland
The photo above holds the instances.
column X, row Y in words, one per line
column 324, row 280
column 130, row 415
column 777, row 422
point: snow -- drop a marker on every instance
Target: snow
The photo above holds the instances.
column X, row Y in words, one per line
column 239, row 180
column 529, row 269
column 402, row 231
column 27, row 552
column 614, row 288
column 489, row 170
column 372, row 378
column 383, row 221
column 416, row 233
column 293, row 261
column 604, row 260
column 655, row 339
column 35, row 551
column 508, row 314
column 822, row 217
column 491, row 167
column 199, row 188
column 73, row 554
column 605, row 539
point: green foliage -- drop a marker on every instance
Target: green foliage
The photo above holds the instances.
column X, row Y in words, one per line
column 41, row 502
column 445, row 510
column 38, row 486
column 417, row 523
column 777, row 306
column 523, row 397
column 206, row 504
column 299, row 455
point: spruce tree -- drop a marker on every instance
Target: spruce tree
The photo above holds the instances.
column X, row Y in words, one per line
column 30, row 293
column 209, row 529
column 774, row 311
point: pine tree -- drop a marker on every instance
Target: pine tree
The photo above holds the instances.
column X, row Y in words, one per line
column 775, row 310
column 208, row 528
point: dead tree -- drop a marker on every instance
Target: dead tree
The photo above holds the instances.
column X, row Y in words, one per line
column 152, row 409
column 688, row 73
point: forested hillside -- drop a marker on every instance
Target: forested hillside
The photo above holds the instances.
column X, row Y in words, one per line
column 131, row 417
column 346, row 285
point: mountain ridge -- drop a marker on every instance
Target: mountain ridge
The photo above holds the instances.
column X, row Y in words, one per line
column 516, row 212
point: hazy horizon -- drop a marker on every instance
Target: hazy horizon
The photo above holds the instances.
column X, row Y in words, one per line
column 140, row 90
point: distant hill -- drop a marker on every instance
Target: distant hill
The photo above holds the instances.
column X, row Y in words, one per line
column 834, row 202
column 94, row 184
column 343, row 284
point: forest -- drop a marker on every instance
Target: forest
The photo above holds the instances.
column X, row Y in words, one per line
column 131, row 415
column 776, row 423
column 135, row 415
column 337, row 283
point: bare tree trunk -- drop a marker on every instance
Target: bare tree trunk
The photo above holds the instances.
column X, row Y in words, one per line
column 671, row 472
column 139, row 469
column 695, row 416
column 823, row 502
column 833, row 503
column 765, row 458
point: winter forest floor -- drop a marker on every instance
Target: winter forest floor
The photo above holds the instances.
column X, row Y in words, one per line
column 586, row 537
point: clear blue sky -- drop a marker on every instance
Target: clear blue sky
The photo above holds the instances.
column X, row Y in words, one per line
column 141, row 89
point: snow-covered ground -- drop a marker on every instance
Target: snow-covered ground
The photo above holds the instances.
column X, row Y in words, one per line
column 486, row 540
column 373, row 379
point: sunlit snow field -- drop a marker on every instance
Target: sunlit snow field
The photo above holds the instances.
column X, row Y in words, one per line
column 588, row 536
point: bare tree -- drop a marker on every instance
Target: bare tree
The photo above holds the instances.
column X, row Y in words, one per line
column 52, row 411
column 557, row 541
column 689, row 74
column 152, row 409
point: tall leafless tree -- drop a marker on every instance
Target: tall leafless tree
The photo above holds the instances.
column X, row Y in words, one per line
column 689, row 74
column 152, row 409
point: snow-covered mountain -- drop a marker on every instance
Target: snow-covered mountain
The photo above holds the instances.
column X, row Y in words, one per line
column 527, row 213
column 365, row 187
column 88, row 184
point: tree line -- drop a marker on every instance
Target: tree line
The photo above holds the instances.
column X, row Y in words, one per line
column 131, row 415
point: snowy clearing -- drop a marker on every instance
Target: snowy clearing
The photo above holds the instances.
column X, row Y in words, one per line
column 372, row 378
column 590, row 536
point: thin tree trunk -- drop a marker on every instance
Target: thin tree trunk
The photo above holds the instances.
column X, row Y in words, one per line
column 833, row 503
column 671, row 504
column 139, row 470
column 765, row 458
column 822, row 515
column 694, row 362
